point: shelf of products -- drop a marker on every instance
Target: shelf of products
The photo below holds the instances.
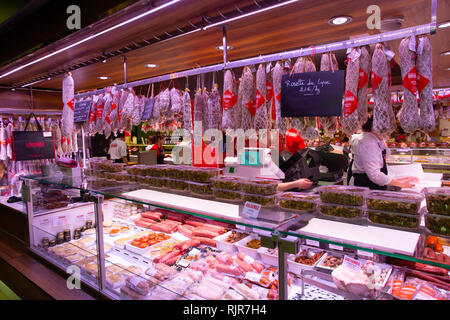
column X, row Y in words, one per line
column 160, row 245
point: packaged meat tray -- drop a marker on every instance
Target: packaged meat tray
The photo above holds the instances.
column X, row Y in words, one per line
column 228, row 183
column 264, row 201
column 250, row 245
column 179, row 185
column 233, row 196
column 142, row 245
column 394, row 219
column 401, row 202
column 346, row 195
column 299, row 202
column 269, row 256
column 306, row 259
column 438, row 224
column 340, row 211
column 157, row 170
column 438, row 200
column 330, row 261
column 202, row 175
column 202, row 189
column 262, row 187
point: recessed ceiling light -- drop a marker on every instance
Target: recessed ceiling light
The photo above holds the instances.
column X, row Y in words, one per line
column 13, row 89
column 103, row 78
column 340, row 20
column 221, row 48
column 151, row 65
column 447, row 69
column 49, row 78
column 445, row 53
column 444, row 25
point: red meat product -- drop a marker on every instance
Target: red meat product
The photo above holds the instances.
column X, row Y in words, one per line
column 162, row 227
column 204, row 233
column 147, row 220
column 257, row 266
column 409, row 113
column 184, row 230
column 171, row 223
column 228, row 280
column 172, row 260
column 262, row 117
column 169, row 255
column 206, row 241
column 221, row 224
column 175, row 217
column 225, row 258
column 229, row 102
column 184, row 245
column 244, row 266
column 68, row 88
column 151, row 215
column 229, row 269
column 212, row 261
column 212, row 228
column 142, row 224
column 350, row 119
column 425, row 82
column 200, row 265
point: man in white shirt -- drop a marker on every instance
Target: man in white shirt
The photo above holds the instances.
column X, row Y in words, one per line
column 118, row 149
column 369, row 165
column 354, row 140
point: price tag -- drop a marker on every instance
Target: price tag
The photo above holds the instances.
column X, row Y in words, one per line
column 352, row 264
column 251, row 210
column 45, row 223
column 313, row 243
column 80, row 218
column 364, row 253
column 60, row 221
column 173, row 75
column 47, row 134
column 335, row 247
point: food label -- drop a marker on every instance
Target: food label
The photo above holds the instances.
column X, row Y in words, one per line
column 363, row 78
column 251, row 209
column 335, row 247
column 364, row 253
column 80, row 218
column 410, row 81
column 407, row 292
column 251, row 107
column 249, row 260
column 60, row 221
column 45, row 222
column 313, row 243
column 376, row 80
column 352, row 264
column 422, row 82
column 350, row 103
column 259, row 99
column 229, row 100
column 396, row 286
column 99, row 110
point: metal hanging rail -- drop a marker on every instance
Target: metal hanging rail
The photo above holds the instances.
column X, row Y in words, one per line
column 341, row 45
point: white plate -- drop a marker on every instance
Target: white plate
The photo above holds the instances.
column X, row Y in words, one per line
column 241, row 246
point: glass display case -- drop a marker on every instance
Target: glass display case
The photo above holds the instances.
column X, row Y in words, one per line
column 432, row 159
column 132, row 240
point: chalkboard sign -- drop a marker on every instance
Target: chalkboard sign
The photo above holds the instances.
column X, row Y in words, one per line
column 81, row 110
column 33, row 145
column 312, row 94
column 148, row 109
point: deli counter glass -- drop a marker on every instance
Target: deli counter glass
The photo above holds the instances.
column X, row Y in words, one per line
column 432, row 159
column 183, row 239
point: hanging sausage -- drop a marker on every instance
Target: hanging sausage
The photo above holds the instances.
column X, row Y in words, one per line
column 229, row 102
column 68, row 88
column 350, row 119
column 425, row 84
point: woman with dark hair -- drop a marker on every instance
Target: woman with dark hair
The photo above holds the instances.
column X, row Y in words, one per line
column 158, row 145
column 369, row 165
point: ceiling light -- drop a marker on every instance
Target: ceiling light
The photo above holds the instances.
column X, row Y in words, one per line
column 104, row 61
column 151, row 65
column 249, row 14
column 338, row 21
column 444, row 25
column 221, row 48
column 103, row 78
column 447, row 69
column 29, row 84
column 49, row 78
column 92, row 37
column 13, row 89
column 445, row 53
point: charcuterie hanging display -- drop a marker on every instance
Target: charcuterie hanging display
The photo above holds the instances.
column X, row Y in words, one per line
column 425, row 84
column 350, row 118
column 247, row 102
column 229, row 102
column 363, row 83
column 68, row 92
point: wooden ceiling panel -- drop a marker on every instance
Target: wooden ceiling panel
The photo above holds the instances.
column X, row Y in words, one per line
column 293, row 26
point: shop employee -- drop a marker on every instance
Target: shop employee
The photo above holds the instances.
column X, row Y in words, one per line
column 118, row 149
column 158, row 145
column 369, row 165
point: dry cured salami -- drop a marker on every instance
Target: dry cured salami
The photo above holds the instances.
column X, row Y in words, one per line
column 229, row 102
column 350, row 119
column 425, row 84
column 68, row 88
column 262, row 117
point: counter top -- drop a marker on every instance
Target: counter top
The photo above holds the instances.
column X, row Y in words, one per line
column 17, row 206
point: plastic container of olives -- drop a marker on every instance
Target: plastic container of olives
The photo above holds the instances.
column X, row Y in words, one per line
column 202, row 175
column 345, row 195
column 178, row 185
column 119, row 176
column 156, row 182
column 299, row 202
column 157, row 170
column 139, row 169
column 340, row 211
column 232, row 196
column 393, row 219
column 264, row 187
column 201, row 189
column 264, row 201
column 438, row 200
column 400, row 202
column 176, row 172
column 228, row 183
column 438, row 224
